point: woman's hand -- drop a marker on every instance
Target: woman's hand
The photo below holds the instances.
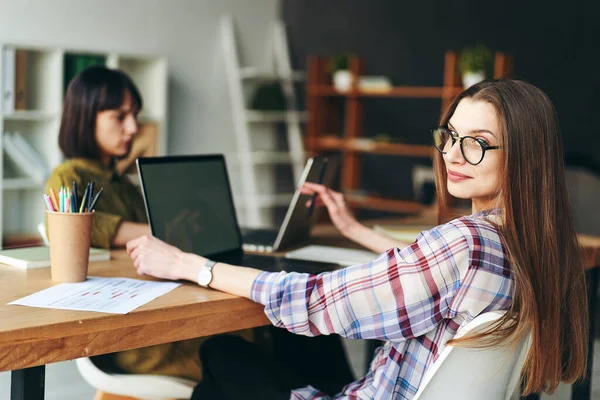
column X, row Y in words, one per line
column 343, row 219
column 340, row 214
column 152, row 256
column 128, row 231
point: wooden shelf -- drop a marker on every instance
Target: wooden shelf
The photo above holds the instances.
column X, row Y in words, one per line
column 30, row 115
column 144, row 118
column 323, row 105
column 361, row 145
column 21, row 184
column 404, row 91
column 378, row 203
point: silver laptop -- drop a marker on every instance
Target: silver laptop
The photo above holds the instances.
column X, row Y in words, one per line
column 189, row 205
column 299, row 218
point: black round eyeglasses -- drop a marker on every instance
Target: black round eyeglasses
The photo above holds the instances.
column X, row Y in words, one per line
column 472, row 149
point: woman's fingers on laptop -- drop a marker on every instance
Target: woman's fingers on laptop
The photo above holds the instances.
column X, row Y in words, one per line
column 312, row 188
column 326, row 198
column 340, row 214
column 318, row 202
column 310, row 185
column 321, row 191
column 334, row 201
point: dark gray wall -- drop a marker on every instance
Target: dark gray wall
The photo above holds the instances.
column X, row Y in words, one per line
column 555, row 47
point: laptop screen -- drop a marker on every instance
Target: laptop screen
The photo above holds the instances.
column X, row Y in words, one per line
column 189, row 203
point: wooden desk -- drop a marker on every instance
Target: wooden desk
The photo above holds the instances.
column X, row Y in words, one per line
column 31, row 337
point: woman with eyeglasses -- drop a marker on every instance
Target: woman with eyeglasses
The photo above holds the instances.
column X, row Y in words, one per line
column 498, row 146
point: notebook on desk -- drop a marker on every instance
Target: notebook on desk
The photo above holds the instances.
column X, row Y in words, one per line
column 404, row 233
column 345, row 257
column 39, row 256
column 299, row 218
column 189, row 205
column 331, row 254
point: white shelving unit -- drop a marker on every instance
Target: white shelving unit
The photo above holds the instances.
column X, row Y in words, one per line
column 21, row 197
column 262, row 155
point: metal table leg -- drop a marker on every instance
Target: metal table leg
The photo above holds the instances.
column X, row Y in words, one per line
column 28, row 383
column 582, row 389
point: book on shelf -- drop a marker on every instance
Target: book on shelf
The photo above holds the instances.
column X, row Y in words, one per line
column 32, row 154
column 39, row 256
column 8, row 80
column 374, row 84
column 75, row 63
column 29, row 162
column 21, row 60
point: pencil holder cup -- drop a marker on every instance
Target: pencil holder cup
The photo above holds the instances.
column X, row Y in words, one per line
column 69, row 236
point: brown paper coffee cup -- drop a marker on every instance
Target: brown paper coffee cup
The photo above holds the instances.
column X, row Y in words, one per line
column 69, row 235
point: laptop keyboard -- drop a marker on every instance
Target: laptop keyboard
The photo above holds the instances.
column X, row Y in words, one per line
column 261, row 240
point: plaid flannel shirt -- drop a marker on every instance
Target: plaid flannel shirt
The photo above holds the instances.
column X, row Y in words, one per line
column 415, row 298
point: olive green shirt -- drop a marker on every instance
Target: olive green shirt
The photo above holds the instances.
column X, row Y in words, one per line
column 120, row 199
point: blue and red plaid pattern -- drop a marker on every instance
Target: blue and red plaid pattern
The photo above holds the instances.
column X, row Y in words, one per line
column 414, row 298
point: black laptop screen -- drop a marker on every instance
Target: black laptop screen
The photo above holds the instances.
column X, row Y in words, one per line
column 189, row 203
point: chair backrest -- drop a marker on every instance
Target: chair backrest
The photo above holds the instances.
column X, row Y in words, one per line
column 471, row 373
column 42, row 231
column 147, row 387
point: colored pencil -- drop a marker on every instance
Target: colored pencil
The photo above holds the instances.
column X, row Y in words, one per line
column 95, row 199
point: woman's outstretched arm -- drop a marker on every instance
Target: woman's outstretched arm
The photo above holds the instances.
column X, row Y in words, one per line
column 344, row 221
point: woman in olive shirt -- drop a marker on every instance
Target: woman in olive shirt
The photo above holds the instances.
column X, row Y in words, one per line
column 97, row 127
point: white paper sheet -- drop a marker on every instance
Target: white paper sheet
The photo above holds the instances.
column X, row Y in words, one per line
column 109, row 295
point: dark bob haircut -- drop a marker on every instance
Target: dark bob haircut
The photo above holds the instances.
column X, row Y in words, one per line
column 93, row 90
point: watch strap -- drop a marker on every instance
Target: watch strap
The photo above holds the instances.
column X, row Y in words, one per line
column 210, row 264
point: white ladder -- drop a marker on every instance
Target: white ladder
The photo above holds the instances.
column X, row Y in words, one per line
column 255, row 130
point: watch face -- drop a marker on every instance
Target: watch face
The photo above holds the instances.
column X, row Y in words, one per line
column 204, row 277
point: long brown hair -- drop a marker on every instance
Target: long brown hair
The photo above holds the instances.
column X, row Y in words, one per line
column 549, row 300
column 93, row 90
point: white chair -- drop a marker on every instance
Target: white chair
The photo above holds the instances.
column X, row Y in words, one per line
column 42, row 231
column 473, row 374
column 143, row 387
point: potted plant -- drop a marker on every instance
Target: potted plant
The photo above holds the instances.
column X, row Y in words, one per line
column 342, row 77
column 473, row 63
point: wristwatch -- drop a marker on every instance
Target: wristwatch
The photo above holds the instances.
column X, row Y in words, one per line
column 205, row 276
